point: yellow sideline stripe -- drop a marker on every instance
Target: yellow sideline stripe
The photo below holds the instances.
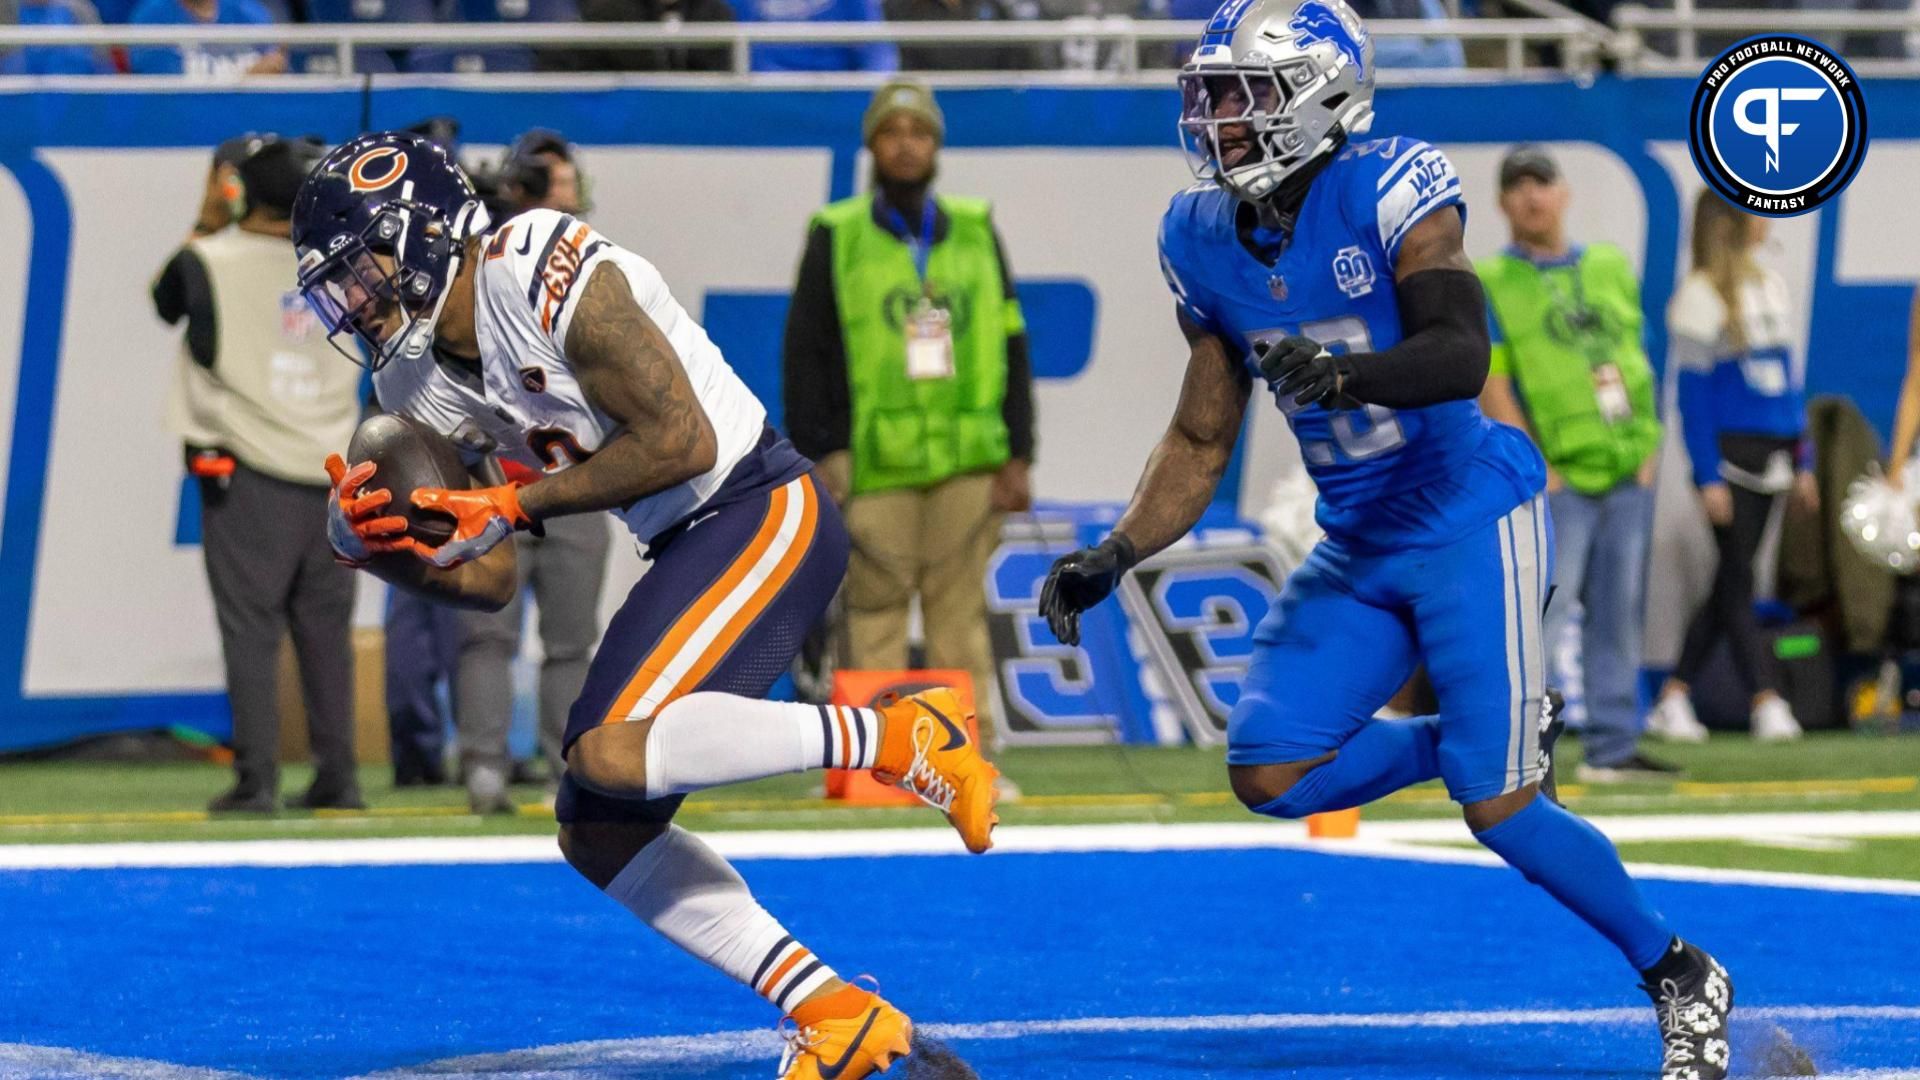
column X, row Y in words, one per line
column 1683, row 790
column 1884, row 785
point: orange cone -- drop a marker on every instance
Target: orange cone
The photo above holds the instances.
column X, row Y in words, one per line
column 1334, row 824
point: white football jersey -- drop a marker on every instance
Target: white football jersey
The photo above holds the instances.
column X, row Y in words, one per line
column 533, row 270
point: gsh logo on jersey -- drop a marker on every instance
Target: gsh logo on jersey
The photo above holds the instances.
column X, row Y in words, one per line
column 1779, row 125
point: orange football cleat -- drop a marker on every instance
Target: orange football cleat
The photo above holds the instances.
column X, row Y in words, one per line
column 924, row 748
column 869, row 1039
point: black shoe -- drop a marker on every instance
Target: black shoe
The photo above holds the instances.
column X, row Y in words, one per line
column 419, row 779
column 1637, row 767
column 1552, row 704
column 325, row 796
column 1692, row 997
column 530, row 771
column 241, row 801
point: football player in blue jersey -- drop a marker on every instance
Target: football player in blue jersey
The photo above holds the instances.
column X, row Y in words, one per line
column 1329, row 272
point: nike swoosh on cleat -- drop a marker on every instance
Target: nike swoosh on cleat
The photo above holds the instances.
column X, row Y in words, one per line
column 955, row 737
column 830, row 1072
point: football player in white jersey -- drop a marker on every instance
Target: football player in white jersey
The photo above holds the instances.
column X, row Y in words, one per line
column 543, row 342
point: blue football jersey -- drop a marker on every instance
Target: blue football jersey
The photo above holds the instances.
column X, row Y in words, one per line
column 1386, row 477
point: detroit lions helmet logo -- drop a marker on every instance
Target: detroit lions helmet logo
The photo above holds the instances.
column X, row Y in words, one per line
column 1321, row 20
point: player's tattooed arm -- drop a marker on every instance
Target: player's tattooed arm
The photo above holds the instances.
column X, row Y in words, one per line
column 1185, row 468
column 629, row 371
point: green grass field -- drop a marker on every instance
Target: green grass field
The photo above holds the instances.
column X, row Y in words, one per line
column 67, row 802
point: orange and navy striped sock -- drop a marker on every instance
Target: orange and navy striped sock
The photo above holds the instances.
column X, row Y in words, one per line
column 685, row 890
column 849, row 737
column 788, row 972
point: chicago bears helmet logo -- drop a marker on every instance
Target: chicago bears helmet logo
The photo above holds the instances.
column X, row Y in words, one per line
column 377, row 168
column 1317, row 20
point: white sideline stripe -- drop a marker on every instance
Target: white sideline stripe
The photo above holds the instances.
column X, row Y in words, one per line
column 1804, row 843
column 44, row 1062
column 1627, row 828
column 763, row 1042
column 1386, row 839
column 23, row 1060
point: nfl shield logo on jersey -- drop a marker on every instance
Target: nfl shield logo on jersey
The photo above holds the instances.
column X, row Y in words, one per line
column 1277, row 286
column 534, row 379
column 1353, row 272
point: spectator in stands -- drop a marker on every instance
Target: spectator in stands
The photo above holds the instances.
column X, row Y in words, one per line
column 1730, row 332
column 1569, row 370
column 943, row 57
column 660, row 58
column 259, row 399
column 1388, row 52
column 1407, row 52
column 564, row 568
column 870, row 56
column 907, row 380
column 52, row 59
column 206, row 62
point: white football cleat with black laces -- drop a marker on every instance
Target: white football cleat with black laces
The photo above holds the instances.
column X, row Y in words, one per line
column 1692, row 998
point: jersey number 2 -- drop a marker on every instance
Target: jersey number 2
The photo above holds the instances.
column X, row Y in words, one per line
column 1359, row 433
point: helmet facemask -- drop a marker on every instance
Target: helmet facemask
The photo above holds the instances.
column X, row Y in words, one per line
column 369, row 288
column 1271, row 91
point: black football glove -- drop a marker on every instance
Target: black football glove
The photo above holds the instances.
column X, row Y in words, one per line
column 1081, row 580
column 1302, row 368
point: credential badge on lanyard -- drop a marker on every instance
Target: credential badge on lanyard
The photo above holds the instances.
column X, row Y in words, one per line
column 929, row 326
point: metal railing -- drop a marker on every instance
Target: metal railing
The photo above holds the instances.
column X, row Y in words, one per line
column 1577, row 43
column 1667, row 41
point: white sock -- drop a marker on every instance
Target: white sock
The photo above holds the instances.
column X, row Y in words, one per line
column 708, row 739
column 682, row 888
column 849, row 737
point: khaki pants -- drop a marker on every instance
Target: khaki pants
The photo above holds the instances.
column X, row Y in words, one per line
column 934, row 542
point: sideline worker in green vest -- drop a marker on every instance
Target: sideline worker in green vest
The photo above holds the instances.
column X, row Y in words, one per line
column 1569, row 369
column 259, row 397
column 907, row 380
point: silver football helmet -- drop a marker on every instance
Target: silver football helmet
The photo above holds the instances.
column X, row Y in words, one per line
column 1270, row 87
column 1880, row 520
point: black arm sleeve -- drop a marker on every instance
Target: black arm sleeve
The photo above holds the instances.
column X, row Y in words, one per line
column 1445, row 353
column 1017, row 407
column 182, row 291
column 814, row 364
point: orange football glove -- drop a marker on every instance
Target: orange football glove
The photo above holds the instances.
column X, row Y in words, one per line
column 354, row 530
column 482, row 518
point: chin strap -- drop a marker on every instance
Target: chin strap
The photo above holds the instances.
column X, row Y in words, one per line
column 1282, row 205
column 469, row 221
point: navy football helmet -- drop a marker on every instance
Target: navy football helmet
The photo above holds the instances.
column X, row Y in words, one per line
column 380, row 226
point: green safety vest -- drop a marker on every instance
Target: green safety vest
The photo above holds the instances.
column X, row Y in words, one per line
column 1557, row 324
column 915, row 433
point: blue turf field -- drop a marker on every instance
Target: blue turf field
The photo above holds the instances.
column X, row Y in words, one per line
column 344, row 971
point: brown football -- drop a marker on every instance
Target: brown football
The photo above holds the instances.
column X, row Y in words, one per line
column 408, row 455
